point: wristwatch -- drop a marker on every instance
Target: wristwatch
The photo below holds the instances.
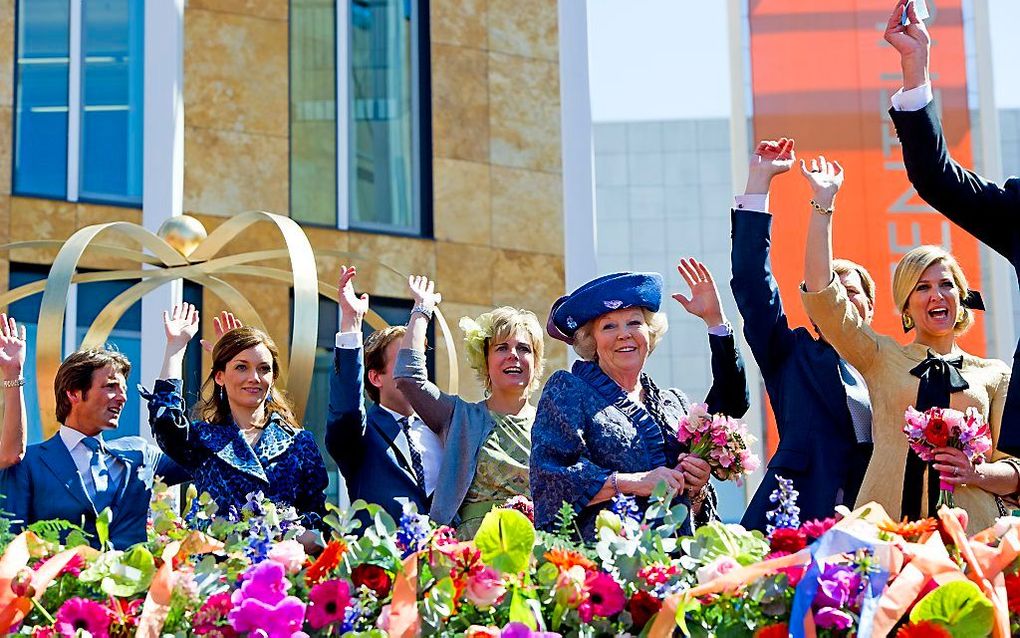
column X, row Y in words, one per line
column 423, row 310
column 14, row 383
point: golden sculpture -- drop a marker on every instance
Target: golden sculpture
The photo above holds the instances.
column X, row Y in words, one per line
column 183, row 250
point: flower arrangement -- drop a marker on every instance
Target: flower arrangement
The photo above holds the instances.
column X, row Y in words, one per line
column 258, row 575
column 476, row 332
column 943, row 427
column 721, row 440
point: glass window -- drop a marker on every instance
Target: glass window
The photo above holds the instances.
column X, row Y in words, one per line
column 105, row 158
column 383, row 170
column 112, row 89
column 41, row 102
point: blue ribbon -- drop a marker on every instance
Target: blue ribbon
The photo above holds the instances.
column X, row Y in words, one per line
column 834, row 542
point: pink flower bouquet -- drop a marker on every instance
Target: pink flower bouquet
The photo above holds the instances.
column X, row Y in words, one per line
column 721, row 440
column 944, row 427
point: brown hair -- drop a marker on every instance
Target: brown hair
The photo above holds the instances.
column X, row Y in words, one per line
column 843, row 267
column 213, row 406
column 375, row 355
column 75, row 373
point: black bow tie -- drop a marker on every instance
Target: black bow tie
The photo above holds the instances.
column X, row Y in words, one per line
column 941, row 373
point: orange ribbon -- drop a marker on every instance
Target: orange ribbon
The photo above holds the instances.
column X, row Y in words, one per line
column 157, row 601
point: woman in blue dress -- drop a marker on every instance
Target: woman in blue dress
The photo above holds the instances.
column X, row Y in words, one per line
column 605, row 428
column 246, row 439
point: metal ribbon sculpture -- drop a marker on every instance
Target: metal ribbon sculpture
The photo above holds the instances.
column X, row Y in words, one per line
column 181, row 251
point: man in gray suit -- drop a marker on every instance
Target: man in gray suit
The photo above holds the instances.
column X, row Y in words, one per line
column 76, row 474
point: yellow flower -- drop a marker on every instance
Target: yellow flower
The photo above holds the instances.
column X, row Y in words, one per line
column 476, row 332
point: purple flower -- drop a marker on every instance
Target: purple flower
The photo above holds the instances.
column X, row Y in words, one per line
column 831, row 618
column 520, row 630
column 838, row 586
column 625, row 506
column 412, row 532
column 262, row 603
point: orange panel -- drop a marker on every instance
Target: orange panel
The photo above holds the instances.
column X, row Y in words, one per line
column 822, row 74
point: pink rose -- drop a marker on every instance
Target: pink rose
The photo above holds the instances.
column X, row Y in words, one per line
column 290, row 554
column 716, row 568
column 484, row 587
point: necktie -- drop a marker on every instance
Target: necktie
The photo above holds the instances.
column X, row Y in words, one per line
column 101, row 495
column 416, row 464
column 857, row 401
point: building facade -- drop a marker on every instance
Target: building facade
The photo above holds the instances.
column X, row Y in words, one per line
column 422, row 137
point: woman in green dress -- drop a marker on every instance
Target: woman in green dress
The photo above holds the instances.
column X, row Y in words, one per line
column 488, row 443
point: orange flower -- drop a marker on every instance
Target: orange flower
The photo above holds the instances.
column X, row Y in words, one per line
column 911, row 531
column 564, row 559
column 923, row 629
column 326, row 562
column 773, row 631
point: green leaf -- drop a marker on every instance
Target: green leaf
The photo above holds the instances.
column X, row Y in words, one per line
column 103, row 527
column 520, row 611
column 958, row 605
column 505, row 538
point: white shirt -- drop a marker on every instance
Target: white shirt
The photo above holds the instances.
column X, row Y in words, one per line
column 913, row 100
column 82, row 457
column 427, row 442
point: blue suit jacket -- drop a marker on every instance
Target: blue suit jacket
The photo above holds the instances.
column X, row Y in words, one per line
column 989, row 212
column 364, row 444
column 46, row 485
column 816, row 436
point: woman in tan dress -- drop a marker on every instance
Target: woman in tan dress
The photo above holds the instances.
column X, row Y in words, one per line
column 934, row 300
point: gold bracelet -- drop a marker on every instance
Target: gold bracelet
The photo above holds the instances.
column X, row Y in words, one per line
column 825, row 211
column 14, row 383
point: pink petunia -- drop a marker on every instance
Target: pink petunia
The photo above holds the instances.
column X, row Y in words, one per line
column 329, row 601
column 262, row 604
column 85, row 615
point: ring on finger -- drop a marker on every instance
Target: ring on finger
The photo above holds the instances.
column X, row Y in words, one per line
column 956, row 471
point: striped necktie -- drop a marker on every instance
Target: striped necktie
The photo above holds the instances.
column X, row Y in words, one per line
column 102, row 495
column 416, row 464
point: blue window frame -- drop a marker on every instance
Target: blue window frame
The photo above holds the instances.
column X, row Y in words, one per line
column 79, row 99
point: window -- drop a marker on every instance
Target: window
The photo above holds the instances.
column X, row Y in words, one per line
column 78, row 114
column 381, row 174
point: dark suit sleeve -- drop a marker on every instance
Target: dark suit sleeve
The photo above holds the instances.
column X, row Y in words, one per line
column 728, row 393
column 345, row 427
column 169, row 471
column 755, row 290
column 982, row 208
column 170, row 425
column 16, row 487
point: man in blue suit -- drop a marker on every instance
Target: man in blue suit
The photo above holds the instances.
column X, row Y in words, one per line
column 820, row 402
column 76, row 474
column 386, row 454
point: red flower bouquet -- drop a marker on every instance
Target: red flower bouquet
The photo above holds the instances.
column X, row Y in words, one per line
column 944, row 427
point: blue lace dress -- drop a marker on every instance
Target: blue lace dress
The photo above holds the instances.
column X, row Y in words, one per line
column 284, row 464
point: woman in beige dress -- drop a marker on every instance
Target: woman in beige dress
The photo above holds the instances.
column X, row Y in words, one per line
column 935, row 302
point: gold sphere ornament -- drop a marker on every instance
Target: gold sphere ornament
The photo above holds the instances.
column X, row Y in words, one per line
column 183, row 232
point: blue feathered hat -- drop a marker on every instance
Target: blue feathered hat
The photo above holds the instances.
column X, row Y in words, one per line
column 599, row 296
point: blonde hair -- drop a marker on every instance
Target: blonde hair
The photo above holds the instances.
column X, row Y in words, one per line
column 843, row 267
column 913, row 265
column 495, row 327
column 584, row 339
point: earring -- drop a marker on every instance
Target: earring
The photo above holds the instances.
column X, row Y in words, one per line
column 223, row 394
column 961, row 313
column 908, row 323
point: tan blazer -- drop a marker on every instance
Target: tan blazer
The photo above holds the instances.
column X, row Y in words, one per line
column 886, row 365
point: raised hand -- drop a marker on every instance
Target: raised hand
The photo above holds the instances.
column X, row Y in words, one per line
column 180, row 325
column 12, row 347
column 911, row 41
column 825, row 179
column 771, row 158
column 221, row 325
column 704, row 300
column 352, row 307
column 423, row 291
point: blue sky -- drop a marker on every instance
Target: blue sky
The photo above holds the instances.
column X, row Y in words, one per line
column 669, row 59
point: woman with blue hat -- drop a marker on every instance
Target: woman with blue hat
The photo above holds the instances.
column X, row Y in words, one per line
column 605, row 428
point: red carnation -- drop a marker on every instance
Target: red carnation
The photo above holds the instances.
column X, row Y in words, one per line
column 773, row 631
column 785, row 539
column 642, row 606
column 372, row 576
column 1013, row 592
column 937, row 432
column 924, row 629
